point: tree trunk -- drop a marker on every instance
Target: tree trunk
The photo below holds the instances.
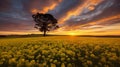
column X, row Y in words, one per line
column 44, row 33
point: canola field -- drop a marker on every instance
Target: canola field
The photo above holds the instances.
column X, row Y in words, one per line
column 60, row 51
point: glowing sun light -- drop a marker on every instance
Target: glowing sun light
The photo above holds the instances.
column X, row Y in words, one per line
column 72, row 34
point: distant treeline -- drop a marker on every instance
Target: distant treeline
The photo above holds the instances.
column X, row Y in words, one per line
column 28, row 35
column 110, row 36
column 40, row 35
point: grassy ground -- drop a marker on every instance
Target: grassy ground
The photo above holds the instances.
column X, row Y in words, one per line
column 60, row 51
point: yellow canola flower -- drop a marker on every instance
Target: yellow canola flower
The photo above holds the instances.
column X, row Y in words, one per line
column 97, row 47
column 63, row 54
column 89, row 62
column 68, row 59
column 22, row 60
column 113, row 58
column 55, row 61
column 62, row 59
column 13, row 60
column 93, row 56
column 103, row 59
column 51, row 60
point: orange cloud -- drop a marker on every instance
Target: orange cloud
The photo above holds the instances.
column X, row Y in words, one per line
column 46, row 8
column 90, row 4
column 34, row 11
column 49, row 7
column 92, row 7
column 103, row 20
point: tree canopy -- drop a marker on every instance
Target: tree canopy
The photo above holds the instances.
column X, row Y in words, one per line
column 45, row 22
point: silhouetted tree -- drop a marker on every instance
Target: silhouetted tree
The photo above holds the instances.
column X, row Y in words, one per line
column 45, row 22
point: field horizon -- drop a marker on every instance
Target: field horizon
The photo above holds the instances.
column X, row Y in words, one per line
column 41, row 35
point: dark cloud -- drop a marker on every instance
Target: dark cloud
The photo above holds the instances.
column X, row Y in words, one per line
column 15, row 25
column 5, row 5
column 65, row 6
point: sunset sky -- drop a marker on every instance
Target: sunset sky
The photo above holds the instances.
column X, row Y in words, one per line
column 75, row 17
